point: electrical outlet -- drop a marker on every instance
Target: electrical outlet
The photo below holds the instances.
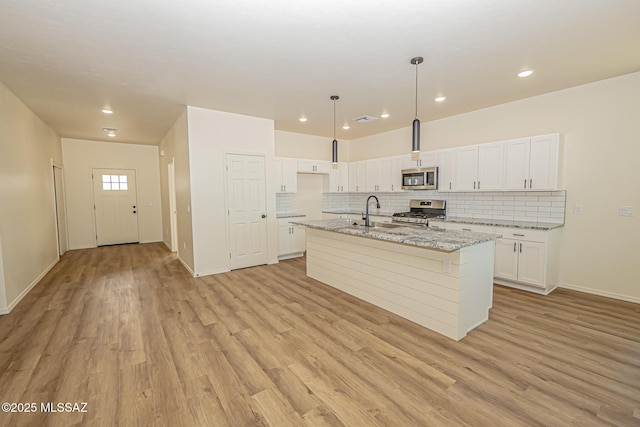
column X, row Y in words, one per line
column 625, row 211
column 446, row 266
column 577, row 209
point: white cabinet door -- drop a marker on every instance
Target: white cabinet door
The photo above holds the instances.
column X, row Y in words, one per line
column 297, row 239
column 490, row 166
column 397, row 164
column 428, row 159
column 517, row 164
column 466, row 168
column 446, row 170
column 506, row 259
column 284, row 240
column 290, row 175
column 384, row 175
column 371, row 176
column 286, row 175
column 314, row 166
column 543, row 162
column 531, row 263
column 357, row 174
column 339, row 178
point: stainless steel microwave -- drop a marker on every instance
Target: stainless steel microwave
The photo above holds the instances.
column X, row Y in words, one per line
column 420, row 179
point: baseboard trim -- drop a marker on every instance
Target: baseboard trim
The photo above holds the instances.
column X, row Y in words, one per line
column 211, row 272
column 24, row 293
column 185, row 265
column 600, row 293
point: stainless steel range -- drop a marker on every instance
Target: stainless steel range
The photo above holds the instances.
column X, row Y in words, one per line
column 420, row 211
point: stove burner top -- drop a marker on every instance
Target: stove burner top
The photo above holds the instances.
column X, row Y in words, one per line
column 421, row 211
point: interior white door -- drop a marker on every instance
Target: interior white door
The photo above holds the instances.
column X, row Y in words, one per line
column 246, row 196
column 173, row 210
column 61, row 215
column 116, row 206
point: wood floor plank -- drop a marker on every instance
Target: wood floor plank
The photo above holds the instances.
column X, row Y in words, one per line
column 128, row 330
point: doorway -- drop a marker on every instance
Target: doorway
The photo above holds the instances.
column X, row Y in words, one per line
column 246, row 195
column 115, row 206
column 61, row 213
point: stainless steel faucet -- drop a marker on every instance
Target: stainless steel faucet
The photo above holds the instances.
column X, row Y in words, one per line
column 367, row 223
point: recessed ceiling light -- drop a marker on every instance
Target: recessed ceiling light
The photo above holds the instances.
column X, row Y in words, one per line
column 440, row 98
column 384, row 115
column 345, row 127
column 303, row 119
column 107, row 111
column 525, row 73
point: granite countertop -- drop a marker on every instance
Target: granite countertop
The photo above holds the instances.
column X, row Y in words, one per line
column 280, row 215
column 532, row 225
column 442, row 240
column 373, row 212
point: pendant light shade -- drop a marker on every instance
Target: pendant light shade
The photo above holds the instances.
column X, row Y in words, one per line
column 334, row 152
column 415, row 146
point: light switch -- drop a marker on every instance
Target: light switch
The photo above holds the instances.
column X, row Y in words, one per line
column 577, row 209
column 625, row 211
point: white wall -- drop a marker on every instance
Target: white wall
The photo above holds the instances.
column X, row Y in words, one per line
column 599, row 125
column 27, row 212
column 212, row 134
column 290, row 144
column 176, row 147
column 80, row 157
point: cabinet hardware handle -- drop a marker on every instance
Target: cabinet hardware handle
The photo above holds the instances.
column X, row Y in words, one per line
column 474, row 185
column 449, row 186
column 520, row 247
column 525, row 183
column 391, row 187
column 466, row 229
column 478, row 185
column 531, row 183
column 516, row 234
column 514, row 246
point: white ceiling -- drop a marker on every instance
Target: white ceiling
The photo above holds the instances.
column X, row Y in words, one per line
column 282, row 59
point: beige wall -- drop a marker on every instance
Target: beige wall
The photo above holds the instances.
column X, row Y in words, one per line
column 80, row 157
column 599, row 126
column 290, row 144
column 213, row 134
column 176, row 148
column 27, row 212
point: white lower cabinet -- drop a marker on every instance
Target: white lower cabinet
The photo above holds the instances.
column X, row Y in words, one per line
column 524, row 259
column 291, row 238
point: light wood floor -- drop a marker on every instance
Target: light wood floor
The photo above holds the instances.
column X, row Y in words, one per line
column 127, row 330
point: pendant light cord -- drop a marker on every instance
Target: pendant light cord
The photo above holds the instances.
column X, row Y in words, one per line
column 334, row 119
column 416, row 90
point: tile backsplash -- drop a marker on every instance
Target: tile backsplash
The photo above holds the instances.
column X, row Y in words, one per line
column 537, row 206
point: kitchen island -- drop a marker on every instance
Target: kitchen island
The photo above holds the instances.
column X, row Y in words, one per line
column 440, row 279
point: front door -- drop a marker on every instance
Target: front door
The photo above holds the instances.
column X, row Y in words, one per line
column 246, row 194
column 116, row 206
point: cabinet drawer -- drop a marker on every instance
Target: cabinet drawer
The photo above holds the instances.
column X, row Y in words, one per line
column 283, row 222
column 465, row 227
column 523, row 234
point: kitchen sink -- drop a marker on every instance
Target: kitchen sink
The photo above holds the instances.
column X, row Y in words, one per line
column 377, row 224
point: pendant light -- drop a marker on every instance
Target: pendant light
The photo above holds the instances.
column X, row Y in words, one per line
column 334, row 157
column 416, row 122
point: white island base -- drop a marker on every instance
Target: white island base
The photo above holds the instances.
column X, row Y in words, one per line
column 448, row 292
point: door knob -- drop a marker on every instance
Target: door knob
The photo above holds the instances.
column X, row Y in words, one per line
column 264, row 216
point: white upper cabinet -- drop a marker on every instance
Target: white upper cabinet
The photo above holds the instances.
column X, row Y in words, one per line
column 357, row 180
column 397, row 164
column 378, row 175
column 532, row 163
column 544, row 162
column 286, row 175
column 466, row 168
column 446, row 170
column 480, row 167
column 425, row 160
column 339, row 178
column 314, row 166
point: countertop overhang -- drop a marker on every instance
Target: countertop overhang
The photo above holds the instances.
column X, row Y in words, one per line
column 441, row 240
